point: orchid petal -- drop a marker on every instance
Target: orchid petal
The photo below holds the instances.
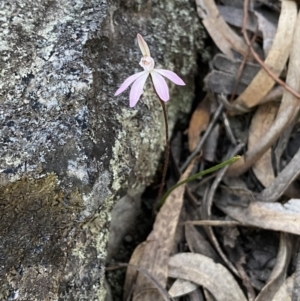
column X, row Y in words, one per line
column 137, row 89
column 143, row 45
column 160, row 86
column 128, row 81
column 173, row 77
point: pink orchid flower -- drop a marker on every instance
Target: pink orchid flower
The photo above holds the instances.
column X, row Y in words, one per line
column 140, row 78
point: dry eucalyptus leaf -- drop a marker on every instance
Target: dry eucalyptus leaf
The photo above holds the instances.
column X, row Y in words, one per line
column 279, row 272
column 208, row 295
column 267, row 28
column 289, row 106
column 197, row 295
column 159, row 244
column 205, row 272
column 285, row 291
column 199, row 122
column 285, row 178
column 182, row 287
column 224, row 37
column 272, row 216
column 131, row 273
column 198, row 244
column 260, row 125
column 276, row 59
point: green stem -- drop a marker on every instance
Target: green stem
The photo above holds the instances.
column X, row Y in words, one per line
column 167, row 155
column 197, row 175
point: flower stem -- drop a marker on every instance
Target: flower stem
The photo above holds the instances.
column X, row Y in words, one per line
column 166, row 159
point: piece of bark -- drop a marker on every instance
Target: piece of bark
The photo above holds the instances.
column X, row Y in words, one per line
column 234, row 16
column 222, row 63
column 222, row 83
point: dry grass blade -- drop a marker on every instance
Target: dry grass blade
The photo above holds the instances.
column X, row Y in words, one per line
column 205, row 272
column 159, row 243
column 276, row 59
column 285, row 290
column 279, row 272
column 260, row 125
column 272, row 216
column 274, row 191
column 288, row 110
column 225, row 38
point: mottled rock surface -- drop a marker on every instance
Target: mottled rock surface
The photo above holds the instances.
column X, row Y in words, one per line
column 69, row 149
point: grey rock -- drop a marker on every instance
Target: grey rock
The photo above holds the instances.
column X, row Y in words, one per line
column 69, row 149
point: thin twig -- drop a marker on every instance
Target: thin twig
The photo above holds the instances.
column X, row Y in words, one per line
column 241, row 68
column 228, row 129
column 258, row 59
column 214, row 223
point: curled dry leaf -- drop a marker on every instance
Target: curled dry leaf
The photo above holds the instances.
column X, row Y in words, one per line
column 267, row 28
column 276, row 59
column 285, row 290
column 163, row 292
column 272, row 216
column 285, row 178
column 208, row 296
column 198, row 244
column 205, row 272
column 279, row 272
column 158, row 246
column 199, row 122
column 131, row 272
column 224, row 37
column 197, row 295
column 288, row 109
column 181, row 287
column 260, row 125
